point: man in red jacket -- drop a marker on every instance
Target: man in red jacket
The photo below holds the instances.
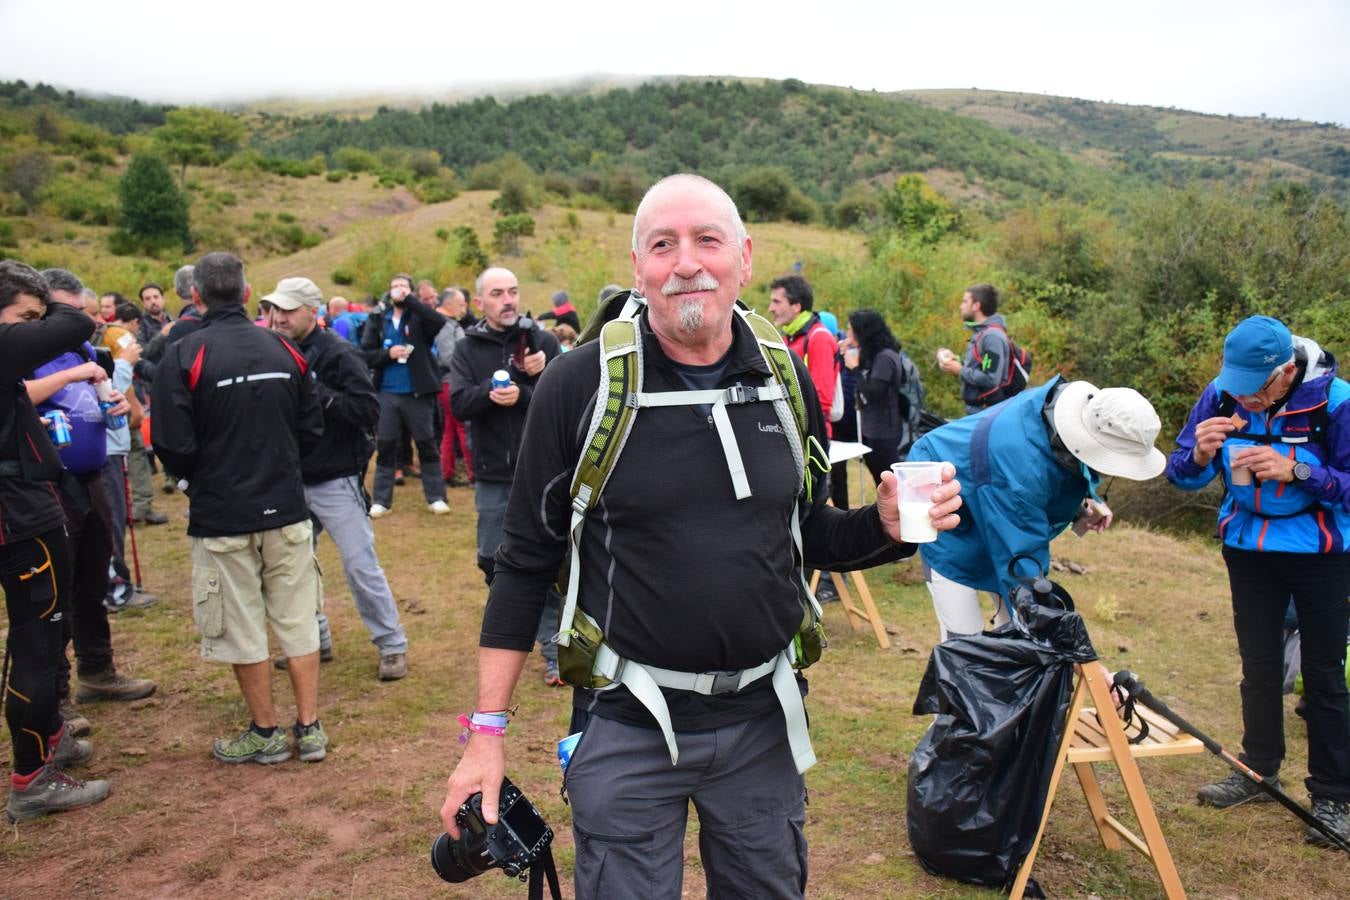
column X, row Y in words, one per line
column 790, row 305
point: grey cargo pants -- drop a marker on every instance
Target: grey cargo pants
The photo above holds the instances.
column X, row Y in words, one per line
column 630, row 807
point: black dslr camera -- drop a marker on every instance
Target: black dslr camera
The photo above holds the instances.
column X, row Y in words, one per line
column 520, row 837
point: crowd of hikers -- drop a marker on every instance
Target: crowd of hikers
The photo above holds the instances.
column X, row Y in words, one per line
column 270, row 421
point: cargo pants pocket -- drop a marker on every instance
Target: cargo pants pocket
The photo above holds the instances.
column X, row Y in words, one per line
column 302, row 532
column 208, row 593
column 614, row 867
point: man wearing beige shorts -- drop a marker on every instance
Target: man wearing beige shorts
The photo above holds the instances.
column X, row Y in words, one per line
column 235, row 408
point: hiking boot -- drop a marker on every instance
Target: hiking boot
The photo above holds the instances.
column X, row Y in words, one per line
column 108, row 685
column 551, row 676
column 282, row 663
column 825, row 591
column 70, row 751
column 51, row 790
column 76, row 724
column 151, row 518
column 378, row 511
column 311, row 741
column 1335, row 814
column 133, row 599
column 253, row 747
column 1235, row 790
column 393, row 666
column 439, row 508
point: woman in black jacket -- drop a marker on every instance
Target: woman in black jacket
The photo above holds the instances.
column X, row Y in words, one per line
column 873, row 354
column 34, row 555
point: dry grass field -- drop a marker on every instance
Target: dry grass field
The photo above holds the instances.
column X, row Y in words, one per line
column 359, row 824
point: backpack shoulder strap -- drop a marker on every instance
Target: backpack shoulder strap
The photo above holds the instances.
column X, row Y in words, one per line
column 611, row 421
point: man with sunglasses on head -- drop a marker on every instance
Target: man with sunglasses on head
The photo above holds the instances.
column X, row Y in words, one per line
column 1275, row 425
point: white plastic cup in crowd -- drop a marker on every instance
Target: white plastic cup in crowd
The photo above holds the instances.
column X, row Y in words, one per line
column 404, row 359
column 1240, row 476
column 916, row 482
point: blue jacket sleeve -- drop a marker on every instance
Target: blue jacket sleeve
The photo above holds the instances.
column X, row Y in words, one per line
column 1182, row 469
column 1330, row 483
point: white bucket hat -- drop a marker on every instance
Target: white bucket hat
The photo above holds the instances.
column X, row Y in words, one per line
column 1112, row 430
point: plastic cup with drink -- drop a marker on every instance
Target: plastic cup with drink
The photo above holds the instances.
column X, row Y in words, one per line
column 1238, row 475
column 915, row 483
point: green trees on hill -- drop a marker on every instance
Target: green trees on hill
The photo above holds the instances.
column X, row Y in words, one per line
column 825, row 139
column 198, row 135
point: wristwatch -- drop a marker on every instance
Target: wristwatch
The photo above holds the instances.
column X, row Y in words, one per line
column 1302, row 472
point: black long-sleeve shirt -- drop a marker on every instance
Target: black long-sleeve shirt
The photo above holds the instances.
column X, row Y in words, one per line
column 29, row 464
column 234, row 411
column 350, row 408
column 678, row 573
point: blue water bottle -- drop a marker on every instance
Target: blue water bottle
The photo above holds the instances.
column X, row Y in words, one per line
column 59, row 427
column 105, row 403
column 565, row 748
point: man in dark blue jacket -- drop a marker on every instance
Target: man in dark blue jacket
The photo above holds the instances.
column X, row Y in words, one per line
column 235, row 406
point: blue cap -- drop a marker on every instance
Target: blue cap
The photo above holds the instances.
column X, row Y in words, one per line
column 1251, row 352
column 829, row 320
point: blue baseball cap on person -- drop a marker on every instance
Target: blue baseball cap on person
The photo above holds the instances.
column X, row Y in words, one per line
column 1251, row 352
column 830, row 321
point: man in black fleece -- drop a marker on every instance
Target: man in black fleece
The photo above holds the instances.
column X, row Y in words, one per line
column 688, row 583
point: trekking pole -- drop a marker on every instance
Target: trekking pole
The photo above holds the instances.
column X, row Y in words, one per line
column 1132, row 686
column 131, row 524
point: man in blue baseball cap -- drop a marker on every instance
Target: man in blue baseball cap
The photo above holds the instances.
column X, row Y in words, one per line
column 1275, row 425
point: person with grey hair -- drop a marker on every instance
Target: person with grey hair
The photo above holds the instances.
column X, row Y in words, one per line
column 182, row 286
column 685, row 573
column 66, row 383
column 333, row 469
column 235, row 412
column 454, row 436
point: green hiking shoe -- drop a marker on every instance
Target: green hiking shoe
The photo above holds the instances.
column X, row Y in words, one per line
column 311, row 741
column 253, row 747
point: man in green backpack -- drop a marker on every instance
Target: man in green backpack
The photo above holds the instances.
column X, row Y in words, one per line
column 690, row 506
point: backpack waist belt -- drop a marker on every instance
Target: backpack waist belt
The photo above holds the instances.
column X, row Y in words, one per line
column 644, row 682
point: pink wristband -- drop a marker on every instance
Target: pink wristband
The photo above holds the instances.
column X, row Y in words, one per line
column 471, row 726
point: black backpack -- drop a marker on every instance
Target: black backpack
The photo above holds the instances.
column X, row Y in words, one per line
column 1015, row 381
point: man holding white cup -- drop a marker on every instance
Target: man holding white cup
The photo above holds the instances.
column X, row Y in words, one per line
column 1030, row 468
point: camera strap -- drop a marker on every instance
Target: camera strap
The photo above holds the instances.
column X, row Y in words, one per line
column 544, row 868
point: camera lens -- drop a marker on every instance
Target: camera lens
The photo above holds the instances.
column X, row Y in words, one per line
column 455, row 861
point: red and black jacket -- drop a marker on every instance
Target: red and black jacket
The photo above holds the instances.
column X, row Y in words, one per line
column 235, row 409
column 29, row 465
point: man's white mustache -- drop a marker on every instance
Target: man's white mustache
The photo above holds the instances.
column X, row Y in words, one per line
column 700, row 282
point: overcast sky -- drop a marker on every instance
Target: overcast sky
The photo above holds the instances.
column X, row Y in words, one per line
column 1289, row 59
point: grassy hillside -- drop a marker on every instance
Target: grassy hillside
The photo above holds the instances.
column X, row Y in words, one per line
column 826, row 138
column 1152, row 137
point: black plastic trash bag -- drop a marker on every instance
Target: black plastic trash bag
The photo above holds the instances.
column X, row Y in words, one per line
column 979, row 777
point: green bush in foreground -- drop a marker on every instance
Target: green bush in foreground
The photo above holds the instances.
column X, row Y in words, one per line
column 154, row 210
